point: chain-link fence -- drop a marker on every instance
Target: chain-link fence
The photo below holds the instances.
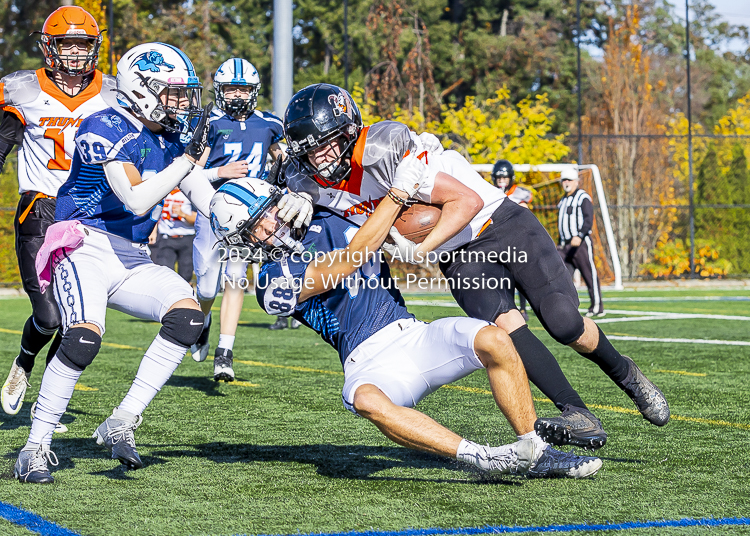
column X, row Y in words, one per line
column 646, row 181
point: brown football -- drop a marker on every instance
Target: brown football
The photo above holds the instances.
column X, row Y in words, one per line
column 416, row 222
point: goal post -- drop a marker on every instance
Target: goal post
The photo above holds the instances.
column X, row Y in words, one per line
column 590, row 176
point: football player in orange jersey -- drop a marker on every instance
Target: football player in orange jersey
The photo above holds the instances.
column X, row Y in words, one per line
column 41, row 112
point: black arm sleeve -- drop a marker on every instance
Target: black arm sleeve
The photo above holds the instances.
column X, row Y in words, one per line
column 11, row 133
column 587, row 209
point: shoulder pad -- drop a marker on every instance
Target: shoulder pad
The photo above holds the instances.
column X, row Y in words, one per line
column 109, row 91
column 103, row 135
column 269, row 117
column 216, row 113
column 21, row 87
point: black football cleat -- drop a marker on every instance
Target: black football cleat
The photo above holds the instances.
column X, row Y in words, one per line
column 223, row 361
column 554, row 463
column 575, row 426
column 116, row 434
column 648, row 398
column 282, row 322
column 31, row 466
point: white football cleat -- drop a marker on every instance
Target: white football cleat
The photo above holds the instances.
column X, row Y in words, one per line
column 14, row 389
column 200, row 349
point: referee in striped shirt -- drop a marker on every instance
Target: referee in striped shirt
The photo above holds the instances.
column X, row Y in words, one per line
column 574, row 221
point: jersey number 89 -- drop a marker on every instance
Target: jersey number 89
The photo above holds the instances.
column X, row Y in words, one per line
column 280, row 298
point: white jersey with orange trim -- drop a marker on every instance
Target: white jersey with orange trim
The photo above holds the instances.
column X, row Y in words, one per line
column 170, row 222
column 379, row 149
column 51, row 119
column 519, row 194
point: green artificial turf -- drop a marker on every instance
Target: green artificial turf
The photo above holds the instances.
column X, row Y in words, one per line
column 278, row 453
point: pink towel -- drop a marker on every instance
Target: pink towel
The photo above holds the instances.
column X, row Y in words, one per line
column 63, row 234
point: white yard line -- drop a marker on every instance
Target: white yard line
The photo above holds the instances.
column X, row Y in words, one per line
column 661, row 315
column 644, row 316
column 688, row 341
column 673, row 299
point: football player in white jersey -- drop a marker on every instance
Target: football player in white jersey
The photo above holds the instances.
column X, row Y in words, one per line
column 349, row 169
column 41, row 113
column 127, row 159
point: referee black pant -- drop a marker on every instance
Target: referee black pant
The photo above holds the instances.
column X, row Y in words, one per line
column 581, row 258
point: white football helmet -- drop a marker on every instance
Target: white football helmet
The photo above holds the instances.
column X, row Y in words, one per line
column 243, row 214
column 150, row 71
column 237, row 72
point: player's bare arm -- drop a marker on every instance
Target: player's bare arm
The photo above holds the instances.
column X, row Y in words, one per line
column 460, row 204
column 342, row 263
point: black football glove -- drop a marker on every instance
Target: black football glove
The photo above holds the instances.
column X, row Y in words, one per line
column 198, row 144
column 275, row 175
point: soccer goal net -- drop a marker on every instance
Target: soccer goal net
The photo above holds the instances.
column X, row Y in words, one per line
column 544, row 181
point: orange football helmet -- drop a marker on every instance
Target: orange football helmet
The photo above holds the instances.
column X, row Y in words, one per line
column 61, row 27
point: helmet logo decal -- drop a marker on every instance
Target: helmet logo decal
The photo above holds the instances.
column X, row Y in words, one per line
column 216, row 226
column 341, row 105
column 151, row 61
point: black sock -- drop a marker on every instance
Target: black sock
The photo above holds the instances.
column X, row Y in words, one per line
column 609, row 360
column 543, row 369
column 54, row 346
column 32, row 342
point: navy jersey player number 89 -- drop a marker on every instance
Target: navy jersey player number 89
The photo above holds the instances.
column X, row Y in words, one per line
column 346, row 315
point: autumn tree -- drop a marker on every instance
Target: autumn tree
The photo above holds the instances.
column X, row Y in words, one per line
column 632, row 167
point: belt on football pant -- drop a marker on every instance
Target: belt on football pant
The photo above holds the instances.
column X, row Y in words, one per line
column 39, row 195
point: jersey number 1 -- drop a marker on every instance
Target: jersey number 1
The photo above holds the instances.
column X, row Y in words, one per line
column 60, row 162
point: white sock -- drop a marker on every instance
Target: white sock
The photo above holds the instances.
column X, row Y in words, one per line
column 470, row 452
column 207, row 320
column 539, row 443
column 481, row 456
column 54, row 394
column 160, row 361
column 226, row 341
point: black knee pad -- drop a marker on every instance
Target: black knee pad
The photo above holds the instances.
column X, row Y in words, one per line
column 182, row 326
column 79, row 347
column 560, row 317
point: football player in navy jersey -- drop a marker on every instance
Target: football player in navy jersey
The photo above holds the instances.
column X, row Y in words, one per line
column 240, row 138
column 97, row 250
column 332, row 284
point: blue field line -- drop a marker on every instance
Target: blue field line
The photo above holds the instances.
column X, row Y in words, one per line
column 685, row 522
column 30, row 521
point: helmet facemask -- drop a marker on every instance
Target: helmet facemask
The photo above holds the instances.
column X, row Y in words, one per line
column 330, row 173
column 265, row 235
column 271, row 235
column 53, row 48
column 178, row 109
column 237, row 107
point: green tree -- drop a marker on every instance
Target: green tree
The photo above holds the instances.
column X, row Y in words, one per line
column 738, row 181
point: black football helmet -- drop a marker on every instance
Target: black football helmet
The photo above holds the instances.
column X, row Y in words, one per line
column 317, row 115
column 501, row 169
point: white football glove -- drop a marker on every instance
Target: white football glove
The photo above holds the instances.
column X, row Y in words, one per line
column 411, row 174
column 431, row 143
column 403, row 249
column 297, row 205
